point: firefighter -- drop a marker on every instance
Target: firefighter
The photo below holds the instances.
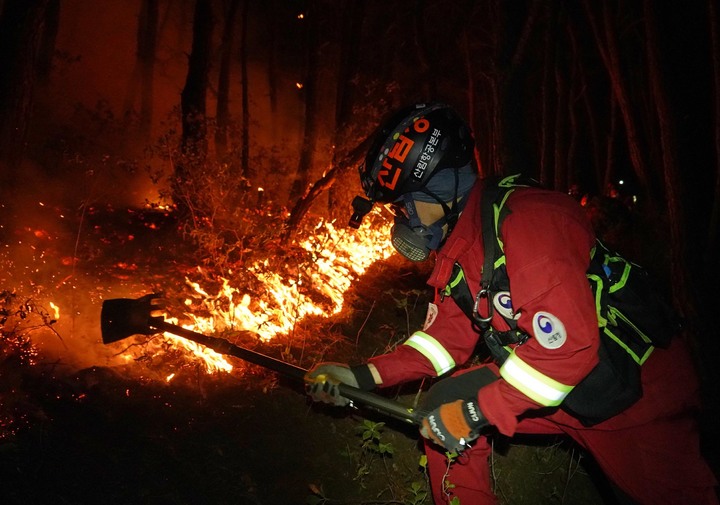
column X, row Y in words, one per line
column 422, row 166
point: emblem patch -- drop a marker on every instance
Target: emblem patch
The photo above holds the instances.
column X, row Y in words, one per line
column 432, row 313
column 503, row 304
column 549, row 330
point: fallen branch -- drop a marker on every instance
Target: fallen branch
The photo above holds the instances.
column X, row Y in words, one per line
column 321, row 185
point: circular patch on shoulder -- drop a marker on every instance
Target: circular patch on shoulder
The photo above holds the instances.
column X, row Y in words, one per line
column 549, row 330
column 503, row 304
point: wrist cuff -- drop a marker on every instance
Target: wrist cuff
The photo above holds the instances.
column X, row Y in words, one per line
column 364, row 377
column 473, row 415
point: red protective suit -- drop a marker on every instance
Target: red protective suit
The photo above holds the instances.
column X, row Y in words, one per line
column 651, row 450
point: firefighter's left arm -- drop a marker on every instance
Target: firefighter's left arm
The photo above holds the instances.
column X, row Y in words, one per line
column 547, row 248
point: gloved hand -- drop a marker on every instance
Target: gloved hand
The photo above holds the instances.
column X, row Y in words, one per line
column 454, row 425
column 322, row 382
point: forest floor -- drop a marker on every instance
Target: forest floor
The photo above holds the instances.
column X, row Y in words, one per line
column 78, row 428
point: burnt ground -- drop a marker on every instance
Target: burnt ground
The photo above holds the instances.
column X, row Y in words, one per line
column 80, row 428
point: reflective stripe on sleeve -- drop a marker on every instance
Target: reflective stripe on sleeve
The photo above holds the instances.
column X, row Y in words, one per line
column 535, row 385
column 432, row 350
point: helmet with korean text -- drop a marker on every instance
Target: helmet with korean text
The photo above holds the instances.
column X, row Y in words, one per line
column 422, row 155
column 411, row 147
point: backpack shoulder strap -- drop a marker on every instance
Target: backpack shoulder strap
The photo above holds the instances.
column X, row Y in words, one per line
column 493, row 211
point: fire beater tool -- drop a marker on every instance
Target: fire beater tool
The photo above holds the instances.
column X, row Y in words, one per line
column 121, row 318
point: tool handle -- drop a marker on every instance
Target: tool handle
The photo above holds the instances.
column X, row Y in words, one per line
column 291, row 371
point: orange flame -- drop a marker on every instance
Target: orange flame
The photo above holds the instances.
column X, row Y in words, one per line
column 339, row 258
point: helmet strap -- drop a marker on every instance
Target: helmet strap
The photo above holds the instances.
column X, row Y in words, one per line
column 452, row 211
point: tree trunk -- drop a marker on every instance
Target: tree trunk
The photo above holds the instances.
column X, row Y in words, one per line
column 427, row 78
column 609, row 53
column 610, row 154
column 144, row 71
column 222, row 111
column 682, row 291
column 561, row 108
column 21, row 31
column 147, row 47
column 508, row 61
column 351, row 30
column 193, row 143
column 307, row 150
column 194, row 94
column 547, row 96
column 271, row 62
column 246, row 169
column 473, row 122
column 712, row 251
column 572, row 180
column 49, row 37
column 588, row 118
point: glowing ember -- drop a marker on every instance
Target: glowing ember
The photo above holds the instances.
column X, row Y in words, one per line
column 56, row 310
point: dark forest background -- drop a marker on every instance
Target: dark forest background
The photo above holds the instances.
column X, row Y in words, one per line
column 234, row 112
column 282, row 95
column 199, row 103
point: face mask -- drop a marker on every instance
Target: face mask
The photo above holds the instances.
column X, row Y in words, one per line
column 413, row 243
column 413, row 239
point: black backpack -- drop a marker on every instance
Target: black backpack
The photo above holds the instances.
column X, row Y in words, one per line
column 633, row 318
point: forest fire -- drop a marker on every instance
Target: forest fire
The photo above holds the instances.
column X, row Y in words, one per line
column 338, row 258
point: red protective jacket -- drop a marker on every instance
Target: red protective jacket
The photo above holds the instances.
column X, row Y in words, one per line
column 547, row 243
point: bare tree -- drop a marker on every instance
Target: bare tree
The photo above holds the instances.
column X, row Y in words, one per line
column 473, row 122
column 143, row 74
column 547, row 96
column 673, row 184
column 21, row 32
column 246, row 169
column 560, row 129
column 222, row 113
column 427, row 77
column 310, row 90
column 350, row 34
column 509, row 56
column 605, row 38
column 193, row 143
column 47, row 45
column 272, row 24
column 713, row 240
column 194, row 93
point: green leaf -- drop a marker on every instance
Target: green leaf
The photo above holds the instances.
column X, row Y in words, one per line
column 423, row 461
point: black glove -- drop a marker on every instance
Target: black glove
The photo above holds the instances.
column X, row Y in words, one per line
column 454, row 425
column 323, row 380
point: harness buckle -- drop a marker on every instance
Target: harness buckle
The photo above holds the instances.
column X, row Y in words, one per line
column 483, row 293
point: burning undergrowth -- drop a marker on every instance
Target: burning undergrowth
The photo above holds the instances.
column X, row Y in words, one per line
column 66, row 397
column 266, row 293
column 276, row 296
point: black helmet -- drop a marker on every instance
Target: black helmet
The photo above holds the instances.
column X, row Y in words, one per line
column 411, row 147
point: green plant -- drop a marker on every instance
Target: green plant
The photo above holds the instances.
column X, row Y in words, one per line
column 371, row 447
column 377, row 459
